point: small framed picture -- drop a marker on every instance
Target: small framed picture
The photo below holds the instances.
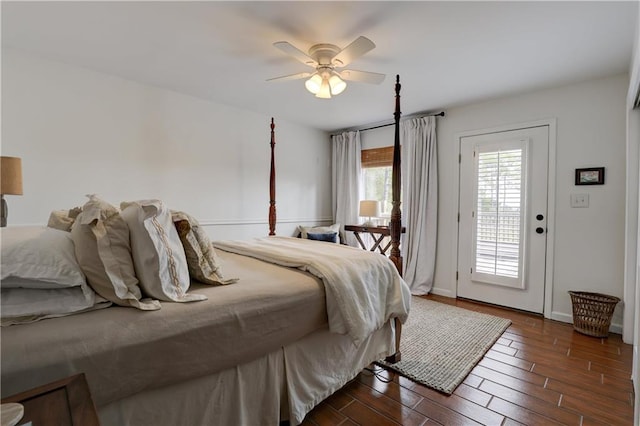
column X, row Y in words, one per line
column 590, row 176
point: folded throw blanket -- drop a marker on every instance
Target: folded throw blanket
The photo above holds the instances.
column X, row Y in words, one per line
column 363, row 289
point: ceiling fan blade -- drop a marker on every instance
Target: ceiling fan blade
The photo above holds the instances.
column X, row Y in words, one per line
column 362, row 76
column 291, row 50
column 292, row 76
column 357, row 48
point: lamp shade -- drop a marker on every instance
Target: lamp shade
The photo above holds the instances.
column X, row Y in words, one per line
column 369, row 208
column 11, row 176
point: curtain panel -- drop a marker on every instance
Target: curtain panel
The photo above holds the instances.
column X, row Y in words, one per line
column 419, row 201
column 346, row 181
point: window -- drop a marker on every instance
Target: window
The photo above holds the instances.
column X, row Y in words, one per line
column 376, row 172
column 499, row 214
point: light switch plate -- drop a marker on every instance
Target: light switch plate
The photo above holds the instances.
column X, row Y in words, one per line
column 579, row 200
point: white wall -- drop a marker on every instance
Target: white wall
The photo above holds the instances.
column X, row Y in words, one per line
column 81, row 132
column 378, row 138
column 634, row 283
column 589, row 243
column 631, row 211
column 632, row 250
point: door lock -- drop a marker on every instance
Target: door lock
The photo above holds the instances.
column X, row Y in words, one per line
column 539, row 230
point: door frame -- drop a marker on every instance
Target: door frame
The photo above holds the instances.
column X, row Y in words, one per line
column 551, row 201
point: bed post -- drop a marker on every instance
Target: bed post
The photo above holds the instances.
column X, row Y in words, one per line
column 272, row 184
column 396, row 217
column 395, row 225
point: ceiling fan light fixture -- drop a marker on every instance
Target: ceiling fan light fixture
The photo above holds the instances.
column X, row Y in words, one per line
column 314, row 84
column 337, row 84
column 325, row 81
column 325, row 90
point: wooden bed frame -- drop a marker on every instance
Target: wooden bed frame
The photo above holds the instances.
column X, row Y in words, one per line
column 395, row 225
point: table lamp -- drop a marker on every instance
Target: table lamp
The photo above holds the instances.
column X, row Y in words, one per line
column 369, row 208
column 10, row 182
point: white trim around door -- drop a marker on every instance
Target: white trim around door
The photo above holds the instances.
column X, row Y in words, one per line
column 551, row 191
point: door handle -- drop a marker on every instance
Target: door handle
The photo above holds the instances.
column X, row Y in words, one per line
column 539, row 217
column 539, row 230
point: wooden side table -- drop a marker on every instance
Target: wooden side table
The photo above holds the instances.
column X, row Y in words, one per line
column 378, row 233
column 66, row 402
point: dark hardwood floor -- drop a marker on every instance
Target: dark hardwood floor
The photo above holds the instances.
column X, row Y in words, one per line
column 540, row 372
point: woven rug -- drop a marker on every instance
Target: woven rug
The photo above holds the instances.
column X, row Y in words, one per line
column 441, row 344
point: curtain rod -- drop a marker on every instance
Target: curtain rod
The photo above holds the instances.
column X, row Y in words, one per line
column 439, row 114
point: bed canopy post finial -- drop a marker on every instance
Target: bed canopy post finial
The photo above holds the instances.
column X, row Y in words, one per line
column 272, row 183
column 396, row 217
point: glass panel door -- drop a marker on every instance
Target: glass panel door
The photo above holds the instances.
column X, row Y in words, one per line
column 502, row 230
column 499, row 215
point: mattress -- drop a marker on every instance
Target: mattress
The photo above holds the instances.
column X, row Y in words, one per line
column 124, row 351
column 282, row 385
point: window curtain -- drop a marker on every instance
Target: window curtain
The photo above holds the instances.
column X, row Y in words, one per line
column 420, row 201
column 346, row 181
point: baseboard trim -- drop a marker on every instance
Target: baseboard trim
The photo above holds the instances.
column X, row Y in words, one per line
column 442, row 292
column 568, row 318
column 562, row 317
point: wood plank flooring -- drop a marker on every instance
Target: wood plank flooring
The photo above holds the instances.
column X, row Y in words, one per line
column 540, row 372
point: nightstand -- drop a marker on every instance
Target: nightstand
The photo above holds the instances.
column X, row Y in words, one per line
column 378, row 233
column 66, row 402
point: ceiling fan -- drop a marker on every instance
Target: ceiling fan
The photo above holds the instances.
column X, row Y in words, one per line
column 326, row 80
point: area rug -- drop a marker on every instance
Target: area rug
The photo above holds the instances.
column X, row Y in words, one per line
column 441, row 344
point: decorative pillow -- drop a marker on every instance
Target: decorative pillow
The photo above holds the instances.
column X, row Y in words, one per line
column 331, row 237
column 304, row 230
column 63, row 219
column 202, row 260
column 158, row 256
column 101, row 238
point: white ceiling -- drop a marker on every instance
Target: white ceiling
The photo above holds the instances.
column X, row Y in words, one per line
column 447, row 53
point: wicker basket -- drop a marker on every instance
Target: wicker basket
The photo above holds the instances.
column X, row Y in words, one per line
column 592, row 312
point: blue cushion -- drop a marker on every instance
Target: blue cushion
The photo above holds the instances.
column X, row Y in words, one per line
column 331, row 237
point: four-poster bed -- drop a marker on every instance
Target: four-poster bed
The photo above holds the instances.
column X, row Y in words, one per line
column 266, row 348
column 395, row 224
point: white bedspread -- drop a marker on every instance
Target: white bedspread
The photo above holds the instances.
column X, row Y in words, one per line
column 363, row 289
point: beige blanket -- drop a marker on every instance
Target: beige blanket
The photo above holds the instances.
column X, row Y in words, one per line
column 363, row 289
column 124, row 351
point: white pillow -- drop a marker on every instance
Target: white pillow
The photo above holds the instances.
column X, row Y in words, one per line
column 158, row 256
column 42, row 257
column 101, row 238
column 37, row 304
column 40, row 274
